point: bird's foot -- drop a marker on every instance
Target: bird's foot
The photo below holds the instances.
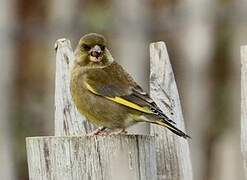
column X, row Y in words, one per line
column 99, row 131
column 121, row 131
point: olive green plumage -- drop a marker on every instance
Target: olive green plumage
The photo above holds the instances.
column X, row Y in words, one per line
column 106, row 94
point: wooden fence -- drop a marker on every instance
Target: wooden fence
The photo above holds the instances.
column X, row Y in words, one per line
column 244, row 106
column 70, row 155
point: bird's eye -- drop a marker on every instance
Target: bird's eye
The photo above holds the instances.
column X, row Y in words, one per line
column 102, row 47
column 86, row 47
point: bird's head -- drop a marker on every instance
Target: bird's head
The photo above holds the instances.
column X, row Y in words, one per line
column 92, row 51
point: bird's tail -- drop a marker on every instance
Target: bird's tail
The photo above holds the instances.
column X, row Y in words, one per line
column 171, row 127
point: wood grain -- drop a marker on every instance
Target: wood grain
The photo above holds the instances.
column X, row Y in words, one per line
column 123, row 157
column 68, row 122
column 172, row 152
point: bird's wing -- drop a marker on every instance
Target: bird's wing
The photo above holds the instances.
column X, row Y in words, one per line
column 118, row 86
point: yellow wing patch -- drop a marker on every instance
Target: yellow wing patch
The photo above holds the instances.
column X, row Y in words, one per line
column 91, row 89
column 122, row 101
column 132, row 105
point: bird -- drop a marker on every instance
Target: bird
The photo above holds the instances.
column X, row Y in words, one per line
column 107, row 95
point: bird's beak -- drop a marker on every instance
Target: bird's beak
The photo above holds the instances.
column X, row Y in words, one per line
column 97, row 49
column 95, row 53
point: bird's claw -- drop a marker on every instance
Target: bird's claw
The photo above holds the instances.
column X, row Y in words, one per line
column 99, row 131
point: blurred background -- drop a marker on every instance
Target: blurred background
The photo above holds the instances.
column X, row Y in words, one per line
column 203, row 39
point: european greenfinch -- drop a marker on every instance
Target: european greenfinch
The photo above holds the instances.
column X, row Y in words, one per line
column 106, row 94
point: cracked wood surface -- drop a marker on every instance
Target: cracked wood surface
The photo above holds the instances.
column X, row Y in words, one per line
column 172, row 152
column 119, row 157
column 68, row 121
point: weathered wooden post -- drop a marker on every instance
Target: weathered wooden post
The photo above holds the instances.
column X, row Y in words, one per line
column 69, row 155
column 68, row 121
column 244, row 106
column 172, row 152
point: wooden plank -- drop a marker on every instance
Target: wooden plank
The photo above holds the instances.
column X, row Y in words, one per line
column 123, row 157
column 244, row 106
column 67, row 119
column 172, row 152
